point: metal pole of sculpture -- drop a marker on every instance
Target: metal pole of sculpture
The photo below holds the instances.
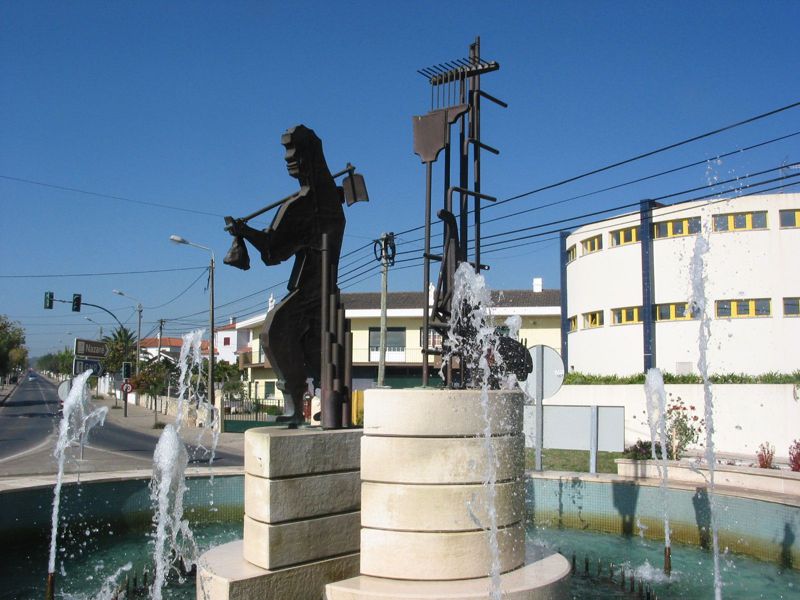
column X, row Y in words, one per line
column 432, row 134
column 299, row 339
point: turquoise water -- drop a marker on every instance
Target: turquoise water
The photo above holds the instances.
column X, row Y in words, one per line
column 692, row 568
column 87, row 561
column 108, row 526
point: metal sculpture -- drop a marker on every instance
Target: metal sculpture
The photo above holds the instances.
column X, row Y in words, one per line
column 456, row 98
column 306, row 334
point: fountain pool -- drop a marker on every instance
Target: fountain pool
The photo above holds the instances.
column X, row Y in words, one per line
column 609, row 521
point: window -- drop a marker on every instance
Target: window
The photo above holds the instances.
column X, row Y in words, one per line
column 572, row 253
column 395, row 338
column 572, row 323
column 675, row 311
column 676, row 228
column 226, row 341
column 593, row 319
column 626, row 316
column 741, row 221
column 790, row 218
column 434, row 338
column 395, row 344
column 791, row 307
column 593, row 244
column 620, row 237
column 753, row 307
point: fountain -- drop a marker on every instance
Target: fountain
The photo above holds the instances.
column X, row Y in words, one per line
column 442, row 470
column 657, row 420
column 78, row 418
column 699, row 304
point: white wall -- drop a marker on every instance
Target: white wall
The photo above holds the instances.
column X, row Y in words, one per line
column 744, row 415
column 740, row 264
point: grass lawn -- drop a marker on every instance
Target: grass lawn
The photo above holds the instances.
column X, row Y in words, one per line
column 572, row 460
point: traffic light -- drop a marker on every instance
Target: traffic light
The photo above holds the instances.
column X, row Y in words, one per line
column 48, row 299
column 76, row 303
column 126, row 370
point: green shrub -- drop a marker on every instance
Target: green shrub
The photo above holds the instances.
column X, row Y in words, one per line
column 578, row 378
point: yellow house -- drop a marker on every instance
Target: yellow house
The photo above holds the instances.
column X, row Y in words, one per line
column 539, row 312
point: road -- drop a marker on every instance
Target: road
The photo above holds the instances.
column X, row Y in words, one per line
column 28, row 431
column 28, row 417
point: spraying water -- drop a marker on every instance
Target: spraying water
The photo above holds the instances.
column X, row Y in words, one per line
column 78, row 418
column 699, row 307
column 656, row 417
column 472, row 334
column 188, row 360
column 173, row 539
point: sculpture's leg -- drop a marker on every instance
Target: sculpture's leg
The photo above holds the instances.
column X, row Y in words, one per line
column 283, row 347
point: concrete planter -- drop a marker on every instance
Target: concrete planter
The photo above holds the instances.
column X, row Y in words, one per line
column 774, row 481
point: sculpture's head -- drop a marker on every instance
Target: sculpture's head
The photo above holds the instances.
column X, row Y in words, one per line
column 303, row 152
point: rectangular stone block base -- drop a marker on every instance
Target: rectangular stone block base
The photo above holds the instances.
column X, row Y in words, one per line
column 223, row 574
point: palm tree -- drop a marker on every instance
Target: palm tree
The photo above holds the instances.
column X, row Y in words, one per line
column 121, row 348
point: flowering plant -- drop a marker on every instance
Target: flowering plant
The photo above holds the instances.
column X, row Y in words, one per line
column 765, row 455
column 794, row 456
column 683, row 426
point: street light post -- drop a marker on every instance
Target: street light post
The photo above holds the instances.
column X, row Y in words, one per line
column 211, row 395
column 138, row 327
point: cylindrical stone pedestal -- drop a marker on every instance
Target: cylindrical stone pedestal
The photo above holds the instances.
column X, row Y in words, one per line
column 430, row 464
column 443, row 500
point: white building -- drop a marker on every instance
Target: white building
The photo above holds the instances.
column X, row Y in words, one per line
column 752, row 288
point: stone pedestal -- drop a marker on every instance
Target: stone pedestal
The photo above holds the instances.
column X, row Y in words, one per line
column 440, row 469
column 302, row 519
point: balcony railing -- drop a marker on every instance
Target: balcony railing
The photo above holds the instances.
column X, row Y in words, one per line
column 393, row 354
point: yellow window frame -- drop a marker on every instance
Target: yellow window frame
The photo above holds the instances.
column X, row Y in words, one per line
column 573, row 323
column 593, row 319
column 743, row 308
column 672, row 227
column 624, row 316
column 791, row 211
column 731, row 221
column 622, row 237
column 592, row 244
column 673, row 311
column 572, row 253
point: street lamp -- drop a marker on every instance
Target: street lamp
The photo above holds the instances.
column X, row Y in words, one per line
column 139, row 326
column 96, row 323
column 211, row 396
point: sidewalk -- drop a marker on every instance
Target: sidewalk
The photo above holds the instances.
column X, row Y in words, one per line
column 38, row 466
column 6, row 389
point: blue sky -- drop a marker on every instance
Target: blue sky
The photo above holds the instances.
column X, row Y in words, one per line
column 183, row 104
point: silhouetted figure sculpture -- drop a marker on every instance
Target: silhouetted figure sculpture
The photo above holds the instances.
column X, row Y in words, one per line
column 291, row 338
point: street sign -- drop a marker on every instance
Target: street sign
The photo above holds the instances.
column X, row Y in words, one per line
column 91, row 348
column 126, row 387
column 81, row 365
column 548, row 372
column 63, row 389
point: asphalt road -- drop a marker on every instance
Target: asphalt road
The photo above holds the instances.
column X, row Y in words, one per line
column 29, row 426
column 29, row 417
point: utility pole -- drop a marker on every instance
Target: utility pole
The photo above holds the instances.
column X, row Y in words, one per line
column 158, row 362
column 384, row 250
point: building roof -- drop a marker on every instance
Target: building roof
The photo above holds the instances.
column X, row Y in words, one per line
column 172, row 342
column 502, row 298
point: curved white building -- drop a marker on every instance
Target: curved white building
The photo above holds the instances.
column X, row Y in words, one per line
column 613, row 271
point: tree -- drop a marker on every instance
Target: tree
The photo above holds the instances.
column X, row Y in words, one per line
column 12, row 336
column 121, row 348
column 153, row 376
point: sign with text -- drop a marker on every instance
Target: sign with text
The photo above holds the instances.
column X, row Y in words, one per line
column 91, row 348
column 81, row 365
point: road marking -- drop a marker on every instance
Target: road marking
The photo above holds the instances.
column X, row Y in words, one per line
column 47, row 442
